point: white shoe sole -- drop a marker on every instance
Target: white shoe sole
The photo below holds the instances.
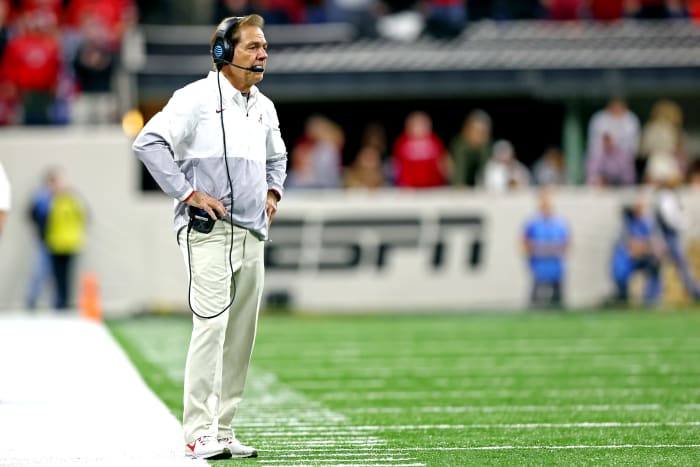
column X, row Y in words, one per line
column 224, row 454
column 244, row 455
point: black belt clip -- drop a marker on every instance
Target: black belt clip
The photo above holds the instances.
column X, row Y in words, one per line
column 200, row 220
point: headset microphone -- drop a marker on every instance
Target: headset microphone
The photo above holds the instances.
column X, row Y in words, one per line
column 254, row 68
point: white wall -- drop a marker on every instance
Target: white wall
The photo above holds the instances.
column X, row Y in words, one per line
column 133, row 250
column 130, row 242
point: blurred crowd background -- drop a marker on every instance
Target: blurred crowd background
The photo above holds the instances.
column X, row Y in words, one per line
column 61, row 63
column 497, row 95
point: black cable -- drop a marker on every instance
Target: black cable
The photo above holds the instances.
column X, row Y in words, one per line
column 230, row 252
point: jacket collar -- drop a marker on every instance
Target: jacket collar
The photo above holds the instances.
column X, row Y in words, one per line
column 228, row 92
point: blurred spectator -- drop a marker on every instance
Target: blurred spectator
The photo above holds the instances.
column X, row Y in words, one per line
column 93, row 65
column 515, row 9
column 31, row 67
column 161, row 12
column 445, row 18
column 400, row 21
column 273, row 11
column 9, row 103
column 5, row 198
column 656, row 9
column 606, row 10
column 623, row 127
column 659, row 165
column 362, row 14
column 289, row 11
column 503, row 171
column 225, row 8
column 608, row 165
column 365, row 171
column 546, row 240
column 301, row 174
column 38, row 214
column 115, row 16
column 662, row 132
column 663, row 136
column 4, row 21
column 562, row 10
column 374, row 134
column 328, row 139
column 636, row 250
column 668, row 212
column 316, row 160
column 550, row 168
column 693, row 7
column 418, row 155
column 470, row 149
column 53, row 7
column 61, row 222
column 694, row 174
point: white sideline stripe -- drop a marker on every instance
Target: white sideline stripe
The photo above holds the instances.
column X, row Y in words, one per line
column 484, row 409
column 576, row 392
column 337, row 457
column 342, row 452
column 69, row 396
column 358, row 439
column 495, row 448
column 301, row 462
column 581, row 446
column 354, row 430
column 516, row 408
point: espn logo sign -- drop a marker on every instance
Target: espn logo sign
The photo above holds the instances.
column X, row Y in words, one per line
column 351, row 243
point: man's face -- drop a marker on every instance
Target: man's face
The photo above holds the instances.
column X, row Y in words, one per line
column 251, row 50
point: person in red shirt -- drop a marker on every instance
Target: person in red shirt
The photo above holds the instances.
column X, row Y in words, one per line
column 31, row 66
column 606, row 10
column 562, row 10
column 116, row 15
column 419, row 157
column 693, row 7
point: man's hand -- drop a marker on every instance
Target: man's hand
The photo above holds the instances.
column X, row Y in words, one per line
column 209, row 204
column 271, row 205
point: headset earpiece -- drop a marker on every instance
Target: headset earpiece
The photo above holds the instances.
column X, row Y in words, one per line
column 222, row 50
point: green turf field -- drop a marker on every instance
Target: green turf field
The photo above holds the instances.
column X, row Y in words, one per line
column 598, row 388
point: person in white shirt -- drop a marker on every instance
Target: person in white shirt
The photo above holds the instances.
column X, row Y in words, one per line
column 621, row 124
column 5, row 197
column 668, row 211
column 216, row 148
column 503, row 171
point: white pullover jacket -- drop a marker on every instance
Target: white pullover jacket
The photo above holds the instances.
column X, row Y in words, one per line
column 182, row 146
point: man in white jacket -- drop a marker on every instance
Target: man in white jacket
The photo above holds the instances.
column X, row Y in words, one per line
column 216, row 148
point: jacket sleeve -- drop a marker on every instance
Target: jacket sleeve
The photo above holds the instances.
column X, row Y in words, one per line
column 276, row 164
column 156, row 143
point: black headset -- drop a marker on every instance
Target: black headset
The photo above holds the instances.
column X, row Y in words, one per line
column 222, row 50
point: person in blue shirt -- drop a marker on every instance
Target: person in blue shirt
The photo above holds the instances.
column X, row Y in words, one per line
column 636, row 251
column 38, row 214
column 546, row 239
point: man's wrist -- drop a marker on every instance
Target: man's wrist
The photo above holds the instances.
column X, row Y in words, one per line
column 275, row 193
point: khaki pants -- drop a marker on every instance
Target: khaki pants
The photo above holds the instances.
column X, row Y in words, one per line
column 220, row 348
